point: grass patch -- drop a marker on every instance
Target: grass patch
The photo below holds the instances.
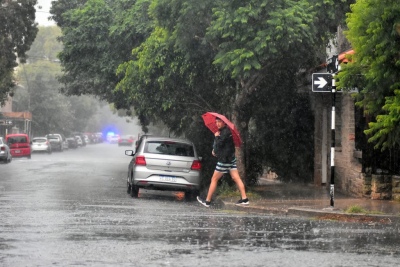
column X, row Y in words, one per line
column 357, row 209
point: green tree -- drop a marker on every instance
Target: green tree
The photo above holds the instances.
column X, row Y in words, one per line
column 243, row 51
column 39, row 88
column 60, row 9
column 374, row 33
column 17, row 32
column 39, row 95
column 98, row 35
column 190, row 57
column 46, row 46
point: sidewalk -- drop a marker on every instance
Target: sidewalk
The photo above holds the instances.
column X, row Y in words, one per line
column 314, row 201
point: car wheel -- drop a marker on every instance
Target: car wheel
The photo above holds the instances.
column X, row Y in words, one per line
column 128, row 185
column 134, row 191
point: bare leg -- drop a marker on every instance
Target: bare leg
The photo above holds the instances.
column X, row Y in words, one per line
column 236, row 178
column 213, row 185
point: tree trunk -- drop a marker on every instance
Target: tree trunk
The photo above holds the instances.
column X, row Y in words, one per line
column 241, row 121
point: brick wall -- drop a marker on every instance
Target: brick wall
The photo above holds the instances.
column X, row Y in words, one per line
column 349, row 178
column 348, row 169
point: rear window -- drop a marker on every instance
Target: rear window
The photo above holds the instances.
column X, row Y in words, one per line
column 41, row 140
column 54, row 139
column 169, row 148
column 17, row 139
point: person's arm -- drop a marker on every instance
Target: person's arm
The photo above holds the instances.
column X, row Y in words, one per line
column 223, row 137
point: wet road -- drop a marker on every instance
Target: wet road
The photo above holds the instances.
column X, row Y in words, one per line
column 71, row 208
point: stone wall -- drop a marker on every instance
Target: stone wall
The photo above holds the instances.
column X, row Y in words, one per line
column 396, row 188
column 381, row 187
column 367, row 188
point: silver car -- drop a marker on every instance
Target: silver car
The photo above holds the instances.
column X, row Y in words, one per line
column 5, row 154
column 162, row 163
column 41, row 144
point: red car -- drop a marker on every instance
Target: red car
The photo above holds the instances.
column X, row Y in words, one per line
column 19, row 144
column 125, row 140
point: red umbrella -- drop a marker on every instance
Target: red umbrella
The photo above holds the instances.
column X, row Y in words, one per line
column 209, row 121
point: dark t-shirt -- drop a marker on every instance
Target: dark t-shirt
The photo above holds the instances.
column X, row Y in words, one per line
column 224, row 148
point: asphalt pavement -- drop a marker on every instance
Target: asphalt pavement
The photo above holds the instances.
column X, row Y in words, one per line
column 315, row 201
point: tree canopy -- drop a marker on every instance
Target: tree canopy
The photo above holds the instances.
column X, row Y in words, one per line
column 374, row 33
column 17, row 32
column 38, row 91
column 172, row 60
column 98, row 35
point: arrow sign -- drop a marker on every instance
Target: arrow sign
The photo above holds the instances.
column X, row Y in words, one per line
column 321, row 82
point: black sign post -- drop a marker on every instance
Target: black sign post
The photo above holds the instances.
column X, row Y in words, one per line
column 333, row 138
column 325, row 82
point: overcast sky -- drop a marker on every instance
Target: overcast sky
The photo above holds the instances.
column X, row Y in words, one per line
column 43, row 13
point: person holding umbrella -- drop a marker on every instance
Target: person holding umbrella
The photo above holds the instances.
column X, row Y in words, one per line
column 224, row 150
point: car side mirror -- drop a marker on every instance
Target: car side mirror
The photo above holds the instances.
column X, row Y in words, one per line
column 129, row 153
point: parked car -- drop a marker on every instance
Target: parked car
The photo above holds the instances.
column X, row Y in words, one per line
column 19, row 144
column 99, row 137
column 5, row 153
column 79, row 140
column 72, row 143
column 56, row 141
column 92, row 138
column 82, row 137
column 125, row 140
column 41, row 144
column 85, row 140
column 65, row 144
column 162, row 163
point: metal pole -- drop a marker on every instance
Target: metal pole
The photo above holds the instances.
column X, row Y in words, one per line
column 332, row 187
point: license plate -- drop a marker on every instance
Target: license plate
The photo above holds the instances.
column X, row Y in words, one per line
column 168, row 179
column 17, row 151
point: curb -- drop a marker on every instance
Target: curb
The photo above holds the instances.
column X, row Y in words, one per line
column 307, row 212
column 326, row 213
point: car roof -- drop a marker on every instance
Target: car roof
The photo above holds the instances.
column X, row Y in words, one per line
column 18, row 134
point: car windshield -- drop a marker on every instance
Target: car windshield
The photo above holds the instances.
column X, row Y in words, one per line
column 169, row 148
